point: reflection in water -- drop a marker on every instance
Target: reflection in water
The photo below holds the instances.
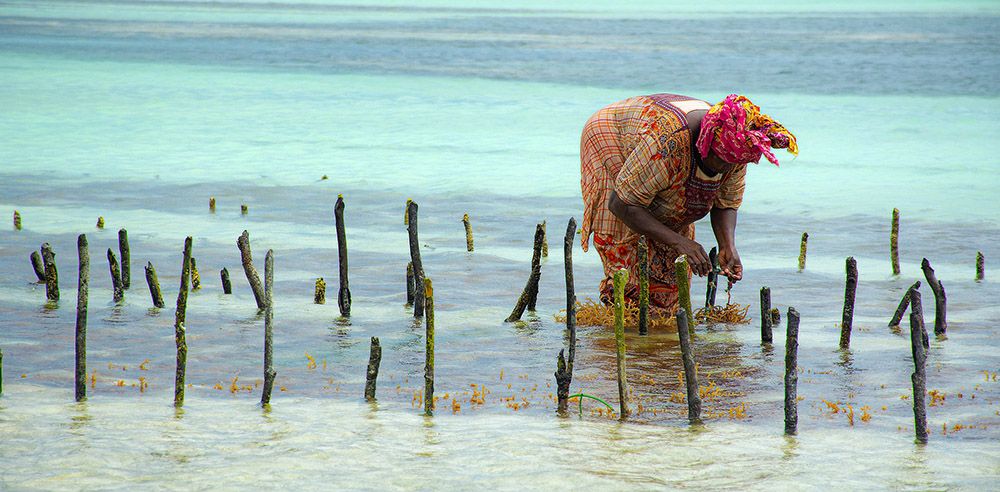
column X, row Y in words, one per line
column 789, row 448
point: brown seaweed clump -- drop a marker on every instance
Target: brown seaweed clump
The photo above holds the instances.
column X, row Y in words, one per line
column 593, row 313
column 730, row 314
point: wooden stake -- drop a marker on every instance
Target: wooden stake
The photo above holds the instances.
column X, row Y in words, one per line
column 406, row 211
column 100, row 222
column 684, row 288
column 545, row 241
column 243, row 243
column 713, row 278
column 429, row 345
column 850, row 290
column 525, row 301
column 17, row 220
column 791, row 373
column 766, row 335
column 116, row 277
column 418, row 266
column 227, row 286
column 690, row 369
column 371, row 377
column 269, row 373
column 919, row 376
column 126, row 263
column 320, row 296
column 802, row 251
column 980, row 266
column 940, row 299
column 51, row 273
column 81, row 318
column 620, row 280
column 195, row 276
column 903, row 304
column 211, row 204
column 1, row 371
column 564, row 368
column 468, row 233
column 37, row 266
column 244, row 210
column 154, row 285
column 643, row 286
column 179, row 331
column 344, row 295
column 775, row 317
column 409, row 284
column 894, row 242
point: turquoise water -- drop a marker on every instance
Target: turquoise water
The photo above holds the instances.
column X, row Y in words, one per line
column 140, row 111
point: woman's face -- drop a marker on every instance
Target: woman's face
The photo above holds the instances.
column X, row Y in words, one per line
column 715, row 164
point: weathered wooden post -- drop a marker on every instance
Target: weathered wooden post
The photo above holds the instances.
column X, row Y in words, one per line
column 418, row 266
column 319, row 297
column 406, row 211
column 940, row 299
column 100, row 222
column 51, row 273
column 564, row 368
column 180, row 338
column 643, row 268
column 530, row 293
column 684, row 288
column 802, row 251
column 80, row 378
column 980, row 266
column 37, row 266
column 713, row 278
column 766, row 335
column 1, row 371
column 429, row 345
column 269, row 373
column 791, row 373
column 17, row 220
column 545, row 242
column 690, row 369
column 243, row 243
column 468, row 233
column 620, row 280
column 894, row 242
column 371, row 376
column 154, row 285
column 227, row 286
column 410, row 286
column 919, row 376
column 116, row 277
column 850, row 290
column 344, row 295
column 244, row 210
column 195, row 276
column 211, row 204
column 126, row 256
column 903, row 304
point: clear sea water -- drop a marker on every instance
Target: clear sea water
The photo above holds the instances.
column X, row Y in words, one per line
column 140, row 111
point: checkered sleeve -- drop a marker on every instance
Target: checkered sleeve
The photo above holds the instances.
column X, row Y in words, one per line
column 644, row 173
column 731, row 190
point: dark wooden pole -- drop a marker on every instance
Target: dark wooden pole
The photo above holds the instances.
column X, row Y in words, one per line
column 429, row 345
column 371, row 376
column 469, row 246
column 116, row 277
column 81, row 318
column 269, row 373
column 126, row 256
column 344, row 295
column 690, row 370
column 51, row 273
column 180, row 337
column 37, row 266
column 564, row 368
column 684, row 289
column 319, row 296
column 903, row 304
column 791, row 372
column 620, row 280
column 195, row 276
column 850, row 290
column 802, row 251
column 243, row 243
column 211, row 204
column 713, row 278
column 100, row 222
column 418, row 266
column 530, row 292
column 766, row 335
column 154, row 285
column 1, row 371
column 919, row 376
column 227, row 286
column 894, row 242
column 940, row 299
column 980, row 266
column 409, row 284
column 643, row 286
column 545, row 241
column 17, row 220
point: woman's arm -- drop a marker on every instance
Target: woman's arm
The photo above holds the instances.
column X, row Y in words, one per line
column 724, row 225
column 640, row 220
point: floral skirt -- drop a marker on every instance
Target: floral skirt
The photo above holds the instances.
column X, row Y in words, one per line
column 662, row 282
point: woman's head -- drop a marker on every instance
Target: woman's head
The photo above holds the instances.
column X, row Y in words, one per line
column 736, row 132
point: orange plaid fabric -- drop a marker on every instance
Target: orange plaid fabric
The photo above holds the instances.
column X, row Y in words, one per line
column 641, row 148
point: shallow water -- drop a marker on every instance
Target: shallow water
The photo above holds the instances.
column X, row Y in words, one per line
column 140, row 112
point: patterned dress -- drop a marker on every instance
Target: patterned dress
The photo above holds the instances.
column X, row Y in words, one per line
column 642, row 149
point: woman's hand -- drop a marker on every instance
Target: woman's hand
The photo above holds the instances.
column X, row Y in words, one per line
column 729, row 262
column 696, row 255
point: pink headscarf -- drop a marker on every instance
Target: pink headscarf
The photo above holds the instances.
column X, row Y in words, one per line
column 737, row 132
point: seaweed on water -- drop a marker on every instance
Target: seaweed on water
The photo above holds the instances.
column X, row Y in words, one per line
column 730, row 314
column 593, row 313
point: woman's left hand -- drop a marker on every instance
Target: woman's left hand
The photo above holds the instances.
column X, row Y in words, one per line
column 729, row 262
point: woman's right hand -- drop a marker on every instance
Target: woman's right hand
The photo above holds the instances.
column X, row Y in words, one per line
column 696, row 255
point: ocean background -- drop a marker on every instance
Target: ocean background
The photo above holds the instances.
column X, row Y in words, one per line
column 139, row 111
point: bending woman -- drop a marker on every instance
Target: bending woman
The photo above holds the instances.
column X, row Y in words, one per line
column 653, row 165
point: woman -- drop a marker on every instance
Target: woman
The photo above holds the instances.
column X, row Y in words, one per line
column 653, row 165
